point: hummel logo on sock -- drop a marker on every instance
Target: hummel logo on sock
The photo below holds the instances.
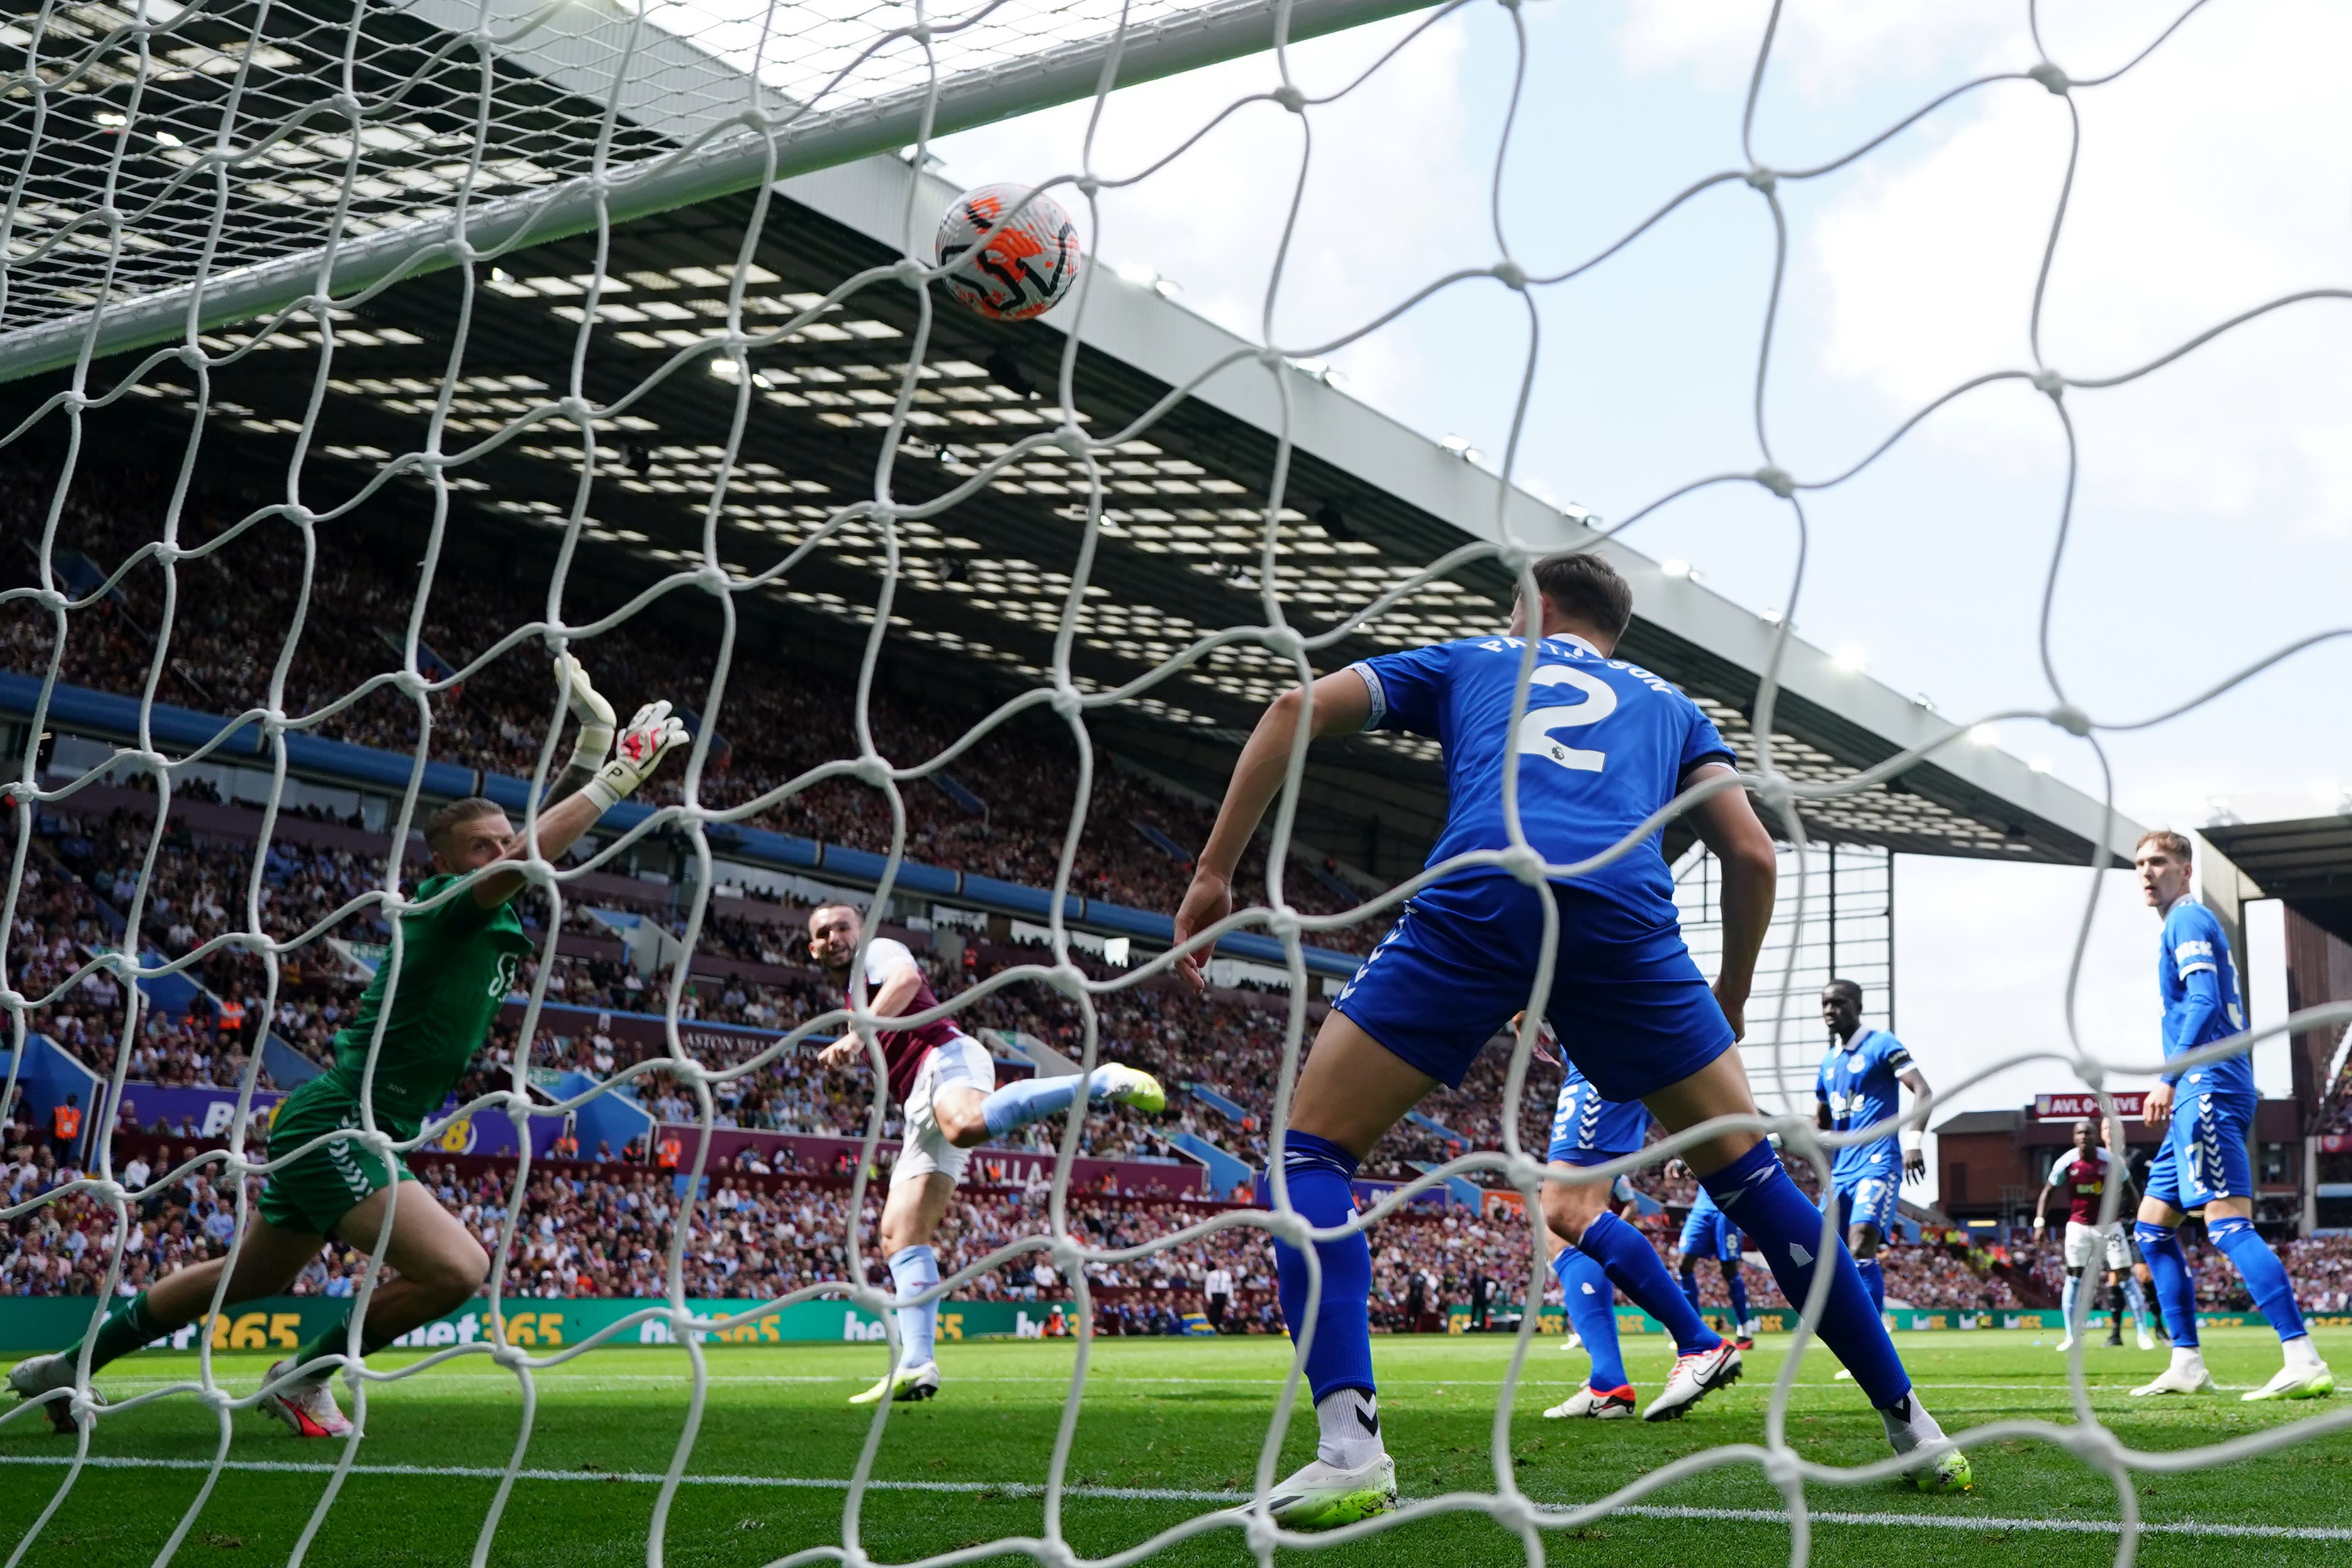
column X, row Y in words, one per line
column 1369, row 1420
column 1804, row 1259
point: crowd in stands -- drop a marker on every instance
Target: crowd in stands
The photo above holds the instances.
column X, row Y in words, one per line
column 779, row 718
column 2320, row 1266
column 84, row 871
column 586, row 1230
column 604, row 1228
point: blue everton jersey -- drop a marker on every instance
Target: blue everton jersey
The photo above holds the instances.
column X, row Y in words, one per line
column 1862, row 1083
column 1605, row 744
column 2199, row 982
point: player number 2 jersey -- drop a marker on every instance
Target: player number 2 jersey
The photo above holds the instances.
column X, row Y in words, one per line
column 2199, row 982
column 1604, row 745
column 1862, row 1083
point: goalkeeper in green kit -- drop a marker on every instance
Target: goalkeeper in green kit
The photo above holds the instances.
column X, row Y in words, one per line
column 457, row 962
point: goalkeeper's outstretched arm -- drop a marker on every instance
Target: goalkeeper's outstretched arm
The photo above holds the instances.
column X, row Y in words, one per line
column 595, row 717
column 652, row 735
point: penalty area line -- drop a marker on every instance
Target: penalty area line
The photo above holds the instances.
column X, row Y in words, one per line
column 1177, row 1494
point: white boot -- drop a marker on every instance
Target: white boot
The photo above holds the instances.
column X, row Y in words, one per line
column 2186, row 1374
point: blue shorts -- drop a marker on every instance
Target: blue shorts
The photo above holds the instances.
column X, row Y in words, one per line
column 1866, row 1194
column 1587, row 1130
column 1710, row 1232
column 2204, row 1155
column 1630, row 1007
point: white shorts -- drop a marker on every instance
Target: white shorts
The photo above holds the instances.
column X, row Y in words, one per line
column 2082, row 1242
column 923, row 1151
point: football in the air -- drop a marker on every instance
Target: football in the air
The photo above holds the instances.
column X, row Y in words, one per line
column 1022, row 270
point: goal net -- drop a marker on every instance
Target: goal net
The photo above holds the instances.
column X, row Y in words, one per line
column 215, row 215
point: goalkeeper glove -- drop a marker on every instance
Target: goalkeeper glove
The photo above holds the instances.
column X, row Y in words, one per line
column 593, row 713
column 649, row 737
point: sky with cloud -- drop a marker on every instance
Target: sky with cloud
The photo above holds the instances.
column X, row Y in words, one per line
column 2212, row 506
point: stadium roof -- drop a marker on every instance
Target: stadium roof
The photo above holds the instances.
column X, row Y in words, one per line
column 1369, row 503
column 2306, row 862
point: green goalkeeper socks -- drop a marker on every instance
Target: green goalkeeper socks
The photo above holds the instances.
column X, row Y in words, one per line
column 335, row 1340
column 131, row 1326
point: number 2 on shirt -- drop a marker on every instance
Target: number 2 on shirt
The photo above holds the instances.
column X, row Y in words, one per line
column 1535, row 729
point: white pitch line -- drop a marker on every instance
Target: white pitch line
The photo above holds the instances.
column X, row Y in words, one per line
column 573, row 1380
column 1176, row 1494
column 1963, row 1521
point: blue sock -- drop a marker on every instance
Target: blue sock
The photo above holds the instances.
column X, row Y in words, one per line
column 1738, row 1285
column 1633, row 1267
column 1873, row 1280
column 1690, row 1283
column 1321, row 1177
column 2176, row 1294
column 1592, row 1313
column 1755, row 1191
column 2067, row 1298
column 915, row 1269
column 1016, row 1105
column 2264, row 1274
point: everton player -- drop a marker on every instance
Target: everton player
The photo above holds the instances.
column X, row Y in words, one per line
column 1708, row 1234
column 1860, row 1085
column 2208, row 1112
column 947, row 1083
column 1603, row 1251
column 1604, row 745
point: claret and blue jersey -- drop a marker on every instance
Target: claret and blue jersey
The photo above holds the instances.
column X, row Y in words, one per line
column 1603, row 745
column 2199, row 982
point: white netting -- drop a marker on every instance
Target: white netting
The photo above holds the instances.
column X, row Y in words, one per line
column 89, row 223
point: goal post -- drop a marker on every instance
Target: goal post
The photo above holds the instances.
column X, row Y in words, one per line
column 726, row 130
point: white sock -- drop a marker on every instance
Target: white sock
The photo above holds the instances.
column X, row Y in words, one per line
column 915, row 1269
column 2300, row 1352
column 1351, row 1423
column 1908, row 1424
column 2186, row 1358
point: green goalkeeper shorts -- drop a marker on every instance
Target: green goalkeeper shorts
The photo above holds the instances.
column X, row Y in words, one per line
column 315, row 1190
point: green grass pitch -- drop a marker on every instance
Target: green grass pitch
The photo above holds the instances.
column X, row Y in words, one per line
column 1180, row 1421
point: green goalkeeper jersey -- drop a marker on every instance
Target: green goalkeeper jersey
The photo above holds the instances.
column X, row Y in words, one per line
column 456, row 965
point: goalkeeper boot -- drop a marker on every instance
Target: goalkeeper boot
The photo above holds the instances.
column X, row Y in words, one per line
column 1133, row 1087
column 307, row 1405
column 1695, row 1377
column 2147, row 1339
column 1588, row 1403
column 2186, row 1374
column 37, row 1375
column 905, row 1386
column 1325, row 1497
